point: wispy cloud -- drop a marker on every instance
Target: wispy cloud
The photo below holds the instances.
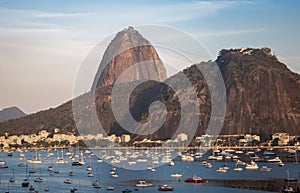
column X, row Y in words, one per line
column 57, row 15
column 228, row 32
column 36, row 13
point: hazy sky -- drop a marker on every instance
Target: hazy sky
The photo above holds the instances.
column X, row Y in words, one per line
column 43, row 43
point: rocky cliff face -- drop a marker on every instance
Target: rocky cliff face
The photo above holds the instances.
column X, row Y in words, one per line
column 263, row 94
column 129, row 48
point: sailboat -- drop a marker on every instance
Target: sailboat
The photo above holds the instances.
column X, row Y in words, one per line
column 296, row 156
column 288, row 179
column 96, row 184
column 79, row 160
column 3, row 163
column 90, row 174
column 12, row 178
column 25, row 182
column 61, row 160
column 71, row 173
column 21, row 163
column 39, row 179
column 151, row 166
column 36, row 159
column 89, row 168
column 288, row 189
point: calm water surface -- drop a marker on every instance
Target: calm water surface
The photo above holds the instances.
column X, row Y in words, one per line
column 128, row 178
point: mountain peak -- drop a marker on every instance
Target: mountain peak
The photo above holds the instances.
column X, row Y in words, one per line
column 129, row 48
column 247, row 51
column 11, row 113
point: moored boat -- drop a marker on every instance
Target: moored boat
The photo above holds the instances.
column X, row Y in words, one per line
column 143, row 184
column 25, row 183
column 110, row 188
column 195, row 179
column 252, row 166
column 265, row 169
column 39, row 180
column 76, row 163
column 126, row 191
column 3, row 166
column 288, row 189
column 238, row 169
column 187, row 158
column 165, row 188
column 221, row 170
column 176, row 175
column 96, row 184
column 275, row 160
column 68, row 181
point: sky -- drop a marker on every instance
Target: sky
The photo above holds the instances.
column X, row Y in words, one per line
column 43, row 43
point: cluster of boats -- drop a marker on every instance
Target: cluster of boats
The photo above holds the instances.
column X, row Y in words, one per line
column 132, row 157
column 239, row 167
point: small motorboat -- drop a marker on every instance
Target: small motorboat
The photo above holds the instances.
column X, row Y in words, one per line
column 165, row 188
column 265, row 169
column 21, row 164
column 90, row 174
column 252, row 166
column 208, row 165
column 195, row 179
column 32, row 170
column 68, row 181
column 143, row 184
column 187, row 158
column 112, row 172
column 99, row 160
column 290, row 179
column 61, row 161
column 31, row 188
column 126, row 191
column 56, row 171
column 288, row 189
column 96, row 184
column 221, row 170
column 76, row 163
column 151, row 169
column 25, row 183
column 3, row 166
column 89, row 168
column 12, row 179
column 176, row 175
column 115, row 175
column 50, row 168
column 73, row 190
column 39, row 180
column 275, row 160
column 10, row 154
column 110, row 188
column 281, row 164
column 238, row 169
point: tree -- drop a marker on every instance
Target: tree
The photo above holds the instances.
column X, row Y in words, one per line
column 255, row 142
column 275, row 142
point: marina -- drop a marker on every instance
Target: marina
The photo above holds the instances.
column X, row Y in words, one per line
column 129, row 172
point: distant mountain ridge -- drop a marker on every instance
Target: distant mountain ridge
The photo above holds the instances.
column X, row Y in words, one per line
column 11, row 113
